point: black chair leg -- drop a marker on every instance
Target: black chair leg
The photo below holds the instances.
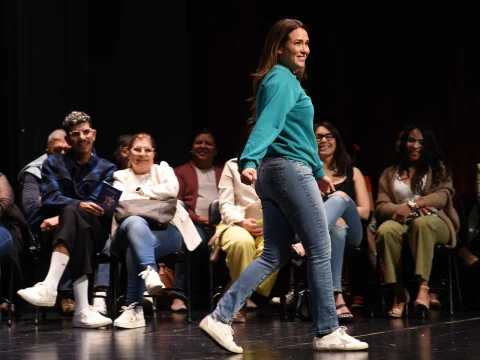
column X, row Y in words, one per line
column 113, row 285
column 10, row 293
column 189, row 290
column 210, row 268
column 457, row 281
column 450, row 292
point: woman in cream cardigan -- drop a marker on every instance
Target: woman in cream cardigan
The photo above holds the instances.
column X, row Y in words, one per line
column 414, row 207
column 146, row 180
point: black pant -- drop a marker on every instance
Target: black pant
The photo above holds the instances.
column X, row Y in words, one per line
column 83, row 234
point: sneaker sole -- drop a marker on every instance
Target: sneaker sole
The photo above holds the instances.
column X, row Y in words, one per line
column 25, row 297
column 91, row 326
column 155, row 290
column 204, row 328
column 342, row 348
column 137, row 324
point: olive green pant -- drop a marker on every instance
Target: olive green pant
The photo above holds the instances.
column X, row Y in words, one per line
column 421, row 235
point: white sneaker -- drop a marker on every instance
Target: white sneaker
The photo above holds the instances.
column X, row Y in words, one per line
column 221, row 334
column 152, row 280
column 131, row 317
column 339, row 340
column 99, row 304
column 39, row 295
column 90, row 319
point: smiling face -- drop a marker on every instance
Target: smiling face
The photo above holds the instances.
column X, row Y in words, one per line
column 326, row 142
column 141, row 155
column 81, row 138
column 204, row 148
column 293, row 53
column 414, row 145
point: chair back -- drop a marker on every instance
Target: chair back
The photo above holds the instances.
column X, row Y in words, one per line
column 214, row 216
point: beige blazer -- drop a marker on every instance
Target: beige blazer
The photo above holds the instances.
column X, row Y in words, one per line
column 439, row 196
column 165, row 187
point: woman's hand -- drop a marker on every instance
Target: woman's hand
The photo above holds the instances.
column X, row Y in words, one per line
column 402, row 214
column 203, row 221
column 326, row 185
column 426, row 211
column 252, row 226
column 249, row 176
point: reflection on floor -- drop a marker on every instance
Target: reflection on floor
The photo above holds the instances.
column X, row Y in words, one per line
column 264, row 336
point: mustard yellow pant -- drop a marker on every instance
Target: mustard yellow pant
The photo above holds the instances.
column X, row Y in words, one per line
column 421, row 235
column 241, row 249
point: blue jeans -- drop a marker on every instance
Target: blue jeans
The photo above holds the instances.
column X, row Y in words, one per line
column 143, row 247
column 6, row 241
column 291, row 203
column 337, row 207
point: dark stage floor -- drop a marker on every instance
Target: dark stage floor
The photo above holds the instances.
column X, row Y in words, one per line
column 167, row 336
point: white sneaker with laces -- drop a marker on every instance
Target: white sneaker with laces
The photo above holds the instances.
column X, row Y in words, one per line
column 90, row 319
column 131, row 317
column 39, row 295
column 339, row 340
column 221, row 334
column 152, row 280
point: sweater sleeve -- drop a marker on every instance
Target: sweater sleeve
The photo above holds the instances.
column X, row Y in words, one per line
column 277, row 97
column 31, row 202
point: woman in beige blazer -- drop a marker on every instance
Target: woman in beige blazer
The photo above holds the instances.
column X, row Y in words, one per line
column 415, row 209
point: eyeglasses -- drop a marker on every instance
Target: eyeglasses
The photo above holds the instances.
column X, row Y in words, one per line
column 138, row 150
column 76, row 133
column 327, row 136
column 60, row 149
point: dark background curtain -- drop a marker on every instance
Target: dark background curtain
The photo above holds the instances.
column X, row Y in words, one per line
column 180, row 66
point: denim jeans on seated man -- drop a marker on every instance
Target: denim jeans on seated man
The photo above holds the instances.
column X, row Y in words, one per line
column 336, row 206
column 143, row 247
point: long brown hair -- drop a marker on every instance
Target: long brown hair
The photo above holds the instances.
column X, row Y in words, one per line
column 276, row 38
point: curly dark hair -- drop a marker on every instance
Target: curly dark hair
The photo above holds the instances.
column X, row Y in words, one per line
column 341, row 158
column 74, row 118
column 431, row 157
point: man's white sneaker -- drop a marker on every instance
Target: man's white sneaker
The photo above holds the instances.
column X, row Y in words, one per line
column 221, row 334
column 39, row 295
column 339, row 340
column 152, row 280
column 99, row 304
column 131, row 317
column 90, row 319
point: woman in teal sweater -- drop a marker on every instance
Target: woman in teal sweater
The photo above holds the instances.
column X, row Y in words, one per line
column 283, row 148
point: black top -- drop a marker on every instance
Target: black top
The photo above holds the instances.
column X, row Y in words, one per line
column 347, row 186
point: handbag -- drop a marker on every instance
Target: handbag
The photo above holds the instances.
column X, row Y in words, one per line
column 166, row 276
column 304, row 305
column 216, row 248
column 158, row 213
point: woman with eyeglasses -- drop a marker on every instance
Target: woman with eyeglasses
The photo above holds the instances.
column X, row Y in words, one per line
column 144, row 245
column 345, row 207
column 415, row 209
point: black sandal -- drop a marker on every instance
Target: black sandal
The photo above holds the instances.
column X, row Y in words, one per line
column 346, row 317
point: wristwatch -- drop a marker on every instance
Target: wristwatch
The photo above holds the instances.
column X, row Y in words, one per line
column 139, row 191
column 412, row 204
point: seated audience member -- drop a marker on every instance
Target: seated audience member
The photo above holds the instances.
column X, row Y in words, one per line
column 13, row 232
column 240, row 233
column 414, row 208
column 345, row 207
column 6, row 203
column 30, row 181
column 145, row 244
column 70, row 186
column 120, row 155
column 198, row 180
